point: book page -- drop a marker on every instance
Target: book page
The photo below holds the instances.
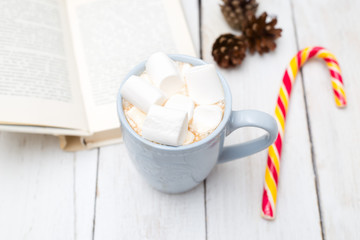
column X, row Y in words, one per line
column 38, row 80
column 111, row 37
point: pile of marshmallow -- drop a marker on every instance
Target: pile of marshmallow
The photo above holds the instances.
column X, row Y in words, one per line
column 173, row 103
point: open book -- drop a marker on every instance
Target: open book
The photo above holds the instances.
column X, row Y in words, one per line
column 62, row 61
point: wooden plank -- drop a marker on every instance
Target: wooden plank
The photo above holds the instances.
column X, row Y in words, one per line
column 191, row 11
column 335, row 133
column 128, row 208
column 37, row 189
column 234, row 190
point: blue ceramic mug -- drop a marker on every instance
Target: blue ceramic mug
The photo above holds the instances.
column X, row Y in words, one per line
column 178, row 169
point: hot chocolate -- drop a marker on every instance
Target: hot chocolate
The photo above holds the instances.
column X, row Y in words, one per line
column 174, row 115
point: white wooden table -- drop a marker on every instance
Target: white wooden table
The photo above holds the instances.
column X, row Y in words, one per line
column 46, row 193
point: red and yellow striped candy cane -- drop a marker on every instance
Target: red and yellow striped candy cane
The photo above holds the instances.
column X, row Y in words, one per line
column 273, row 161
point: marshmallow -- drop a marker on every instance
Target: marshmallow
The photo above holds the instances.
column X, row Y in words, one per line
column 136, row 116
column 185, row 67
column 190, row 137
column 141, row 93
column 206, row 118
column 181, row 102
column 204, row 85
column 164, row 73
column 166, row 126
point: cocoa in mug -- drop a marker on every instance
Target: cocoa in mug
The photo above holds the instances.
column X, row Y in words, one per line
column 172, row 102
column 170, row 166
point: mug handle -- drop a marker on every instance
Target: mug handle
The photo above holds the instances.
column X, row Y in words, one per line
column 249, row 118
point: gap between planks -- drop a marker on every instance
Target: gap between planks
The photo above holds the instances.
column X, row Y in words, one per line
column 96, row 192
column 313, row 160
column 74, row 193
column 201, row 57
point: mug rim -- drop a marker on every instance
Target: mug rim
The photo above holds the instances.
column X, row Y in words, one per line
column 138, row 69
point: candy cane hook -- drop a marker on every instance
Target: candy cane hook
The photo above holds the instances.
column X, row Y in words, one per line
column 273, row 161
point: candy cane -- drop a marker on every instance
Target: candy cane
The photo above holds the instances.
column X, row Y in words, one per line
column 273, row 162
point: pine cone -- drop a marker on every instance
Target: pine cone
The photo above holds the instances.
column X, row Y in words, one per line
column 261, row 35
column 229, row 50
column 236, row 12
